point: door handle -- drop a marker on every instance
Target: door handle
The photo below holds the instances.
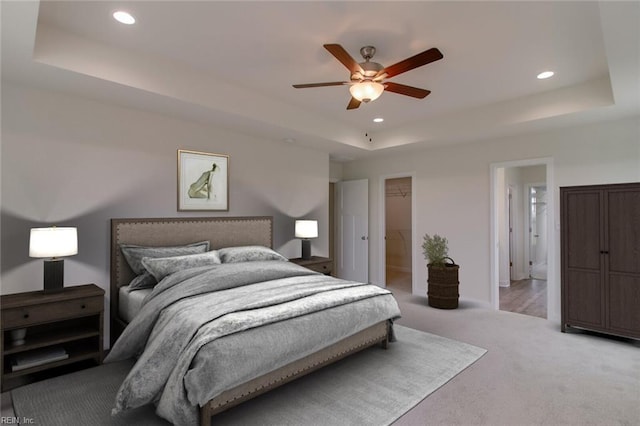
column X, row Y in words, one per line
column 363, row 238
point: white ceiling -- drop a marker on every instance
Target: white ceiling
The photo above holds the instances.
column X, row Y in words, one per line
column 233, row 64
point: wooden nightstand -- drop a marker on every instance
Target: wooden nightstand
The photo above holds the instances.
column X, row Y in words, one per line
column 69, row 321
column 316, row 263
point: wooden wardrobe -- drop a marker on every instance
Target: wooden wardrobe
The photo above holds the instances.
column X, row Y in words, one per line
column 600, row 249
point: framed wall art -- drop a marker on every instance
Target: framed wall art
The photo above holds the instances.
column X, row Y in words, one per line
column 203, row 181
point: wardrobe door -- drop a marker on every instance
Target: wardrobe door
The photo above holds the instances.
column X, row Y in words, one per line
column 582, row 258
column 623, row 260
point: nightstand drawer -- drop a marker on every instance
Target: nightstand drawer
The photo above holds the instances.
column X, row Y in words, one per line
column 35, row 314
column 324, row 267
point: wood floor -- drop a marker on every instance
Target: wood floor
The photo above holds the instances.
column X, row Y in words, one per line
column 528, row 297
column 398, row 279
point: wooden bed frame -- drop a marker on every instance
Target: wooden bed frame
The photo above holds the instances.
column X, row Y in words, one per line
column 223, row 232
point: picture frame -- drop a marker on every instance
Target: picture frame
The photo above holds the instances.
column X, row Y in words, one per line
column 203, row 181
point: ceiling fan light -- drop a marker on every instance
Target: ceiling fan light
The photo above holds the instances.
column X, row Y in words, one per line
column 366, row 91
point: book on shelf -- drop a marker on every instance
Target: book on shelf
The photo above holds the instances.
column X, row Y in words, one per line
column 37, row 357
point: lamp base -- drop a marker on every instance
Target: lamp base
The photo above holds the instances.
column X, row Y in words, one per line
column 53, row 275
column 306, row 249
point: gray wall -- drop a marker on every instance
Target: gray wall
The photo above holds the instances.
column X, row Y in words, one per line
column 78, row 162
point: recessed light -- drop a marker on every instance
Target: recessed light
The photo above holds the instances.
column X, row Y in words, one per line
column 545, row 74
column 124, row 17
column 378, row 120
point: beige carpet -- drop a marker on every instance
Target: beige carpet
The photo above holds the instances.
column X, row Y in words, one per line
column 532, row 373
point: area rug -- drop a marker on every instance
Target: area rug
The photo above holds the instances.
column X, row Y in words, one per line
column 373, row 387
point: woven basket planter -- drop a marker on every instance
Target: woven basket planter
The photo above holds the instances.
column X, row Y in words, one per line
column 443, row 284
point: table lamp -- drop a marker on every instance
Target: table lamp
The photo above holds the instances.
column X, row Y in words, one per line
column 306, row 229
column 53, row 243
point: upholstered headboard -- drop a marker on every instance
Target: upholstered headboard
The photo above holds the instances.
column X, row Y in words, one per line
column 219, row 231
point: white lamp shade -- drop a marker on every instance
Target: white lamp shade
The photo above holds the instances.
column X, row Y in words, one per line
column 53, row 242
column 366, row 91
column 306, row 229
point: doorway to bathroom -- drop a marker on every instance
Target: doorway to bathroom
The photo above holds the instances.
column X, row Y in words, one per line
column 521, row 215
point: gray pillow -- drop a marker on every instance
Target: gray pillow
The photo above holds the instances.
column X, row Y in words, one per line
column 162, row 266
column 248, row 254
column 134, row 254
column 145, row 280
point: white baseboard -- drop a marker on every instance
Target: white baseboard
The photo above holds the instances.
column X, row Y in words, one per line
column 476, row 303
column 505, row 283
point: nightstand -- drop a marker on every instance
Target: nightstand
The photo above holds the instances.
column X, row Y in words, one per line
column 62, row 328
column 316, row 263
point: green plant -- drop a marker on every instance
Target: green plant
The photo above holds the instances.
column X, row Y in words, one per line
column 435, row 249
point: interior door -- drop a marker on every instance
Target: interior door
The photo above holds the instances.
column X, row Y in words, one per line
column 538, row 232
column 511, row 242
column 352, row 205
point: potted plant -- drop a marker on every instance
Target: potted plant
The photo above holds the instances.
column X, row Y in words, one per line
column 442, row 291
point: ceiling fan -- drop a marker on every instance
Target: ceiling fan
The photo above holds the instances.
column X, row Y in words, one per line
column 368, row 79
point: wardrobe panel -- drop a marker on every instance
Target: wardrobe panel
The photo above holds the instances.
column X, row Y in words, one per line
column 624, row 303
column 624, row 231
column 585, row 293
column 583, row 230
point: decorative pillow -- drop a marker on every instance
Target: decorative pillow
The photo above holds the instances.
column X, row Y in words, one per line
column 160, row 267
column 134, row 254
column 145, row 280
column 248, row 254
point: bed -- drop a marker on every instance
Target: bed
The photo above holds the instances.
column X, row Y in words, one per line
column 373, row 307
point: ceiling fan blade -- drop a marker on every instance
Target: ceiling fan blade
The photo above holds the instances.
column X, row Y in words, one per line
column 332, row 83
column 402, row 89
column 353, row 103
column 415, row 61
column 344, row 57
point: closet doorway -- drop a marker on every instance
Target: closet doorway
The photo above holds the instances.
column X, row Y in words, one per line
column 398, row 233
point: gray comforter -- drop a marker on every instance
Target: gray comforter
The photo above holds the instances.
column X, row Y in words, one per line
column 194, row 309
